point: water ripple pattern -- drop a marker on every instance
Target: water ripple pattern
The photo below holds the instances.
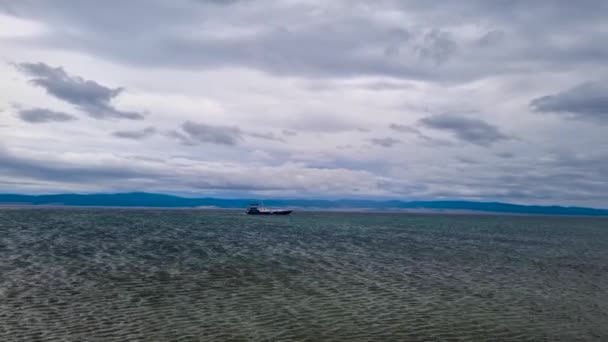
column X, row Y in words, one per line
column 200, row 275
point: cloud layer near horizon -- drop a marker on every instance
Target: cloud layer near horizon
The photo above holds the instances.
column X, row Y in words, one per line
column 469, row 100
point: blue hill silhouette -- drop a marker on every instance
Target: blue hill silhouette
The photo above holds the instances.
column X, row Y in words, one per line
column 142, row 199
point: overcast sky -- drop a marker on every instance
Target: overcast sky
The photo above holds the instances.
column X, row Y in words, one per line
column 478, row 100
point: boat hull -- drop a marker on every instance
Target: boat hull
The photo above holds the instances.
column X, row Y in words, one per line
column 270, row 213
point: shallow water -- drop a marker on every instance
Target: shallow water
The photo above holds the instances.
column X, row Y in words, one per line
column 190, row 275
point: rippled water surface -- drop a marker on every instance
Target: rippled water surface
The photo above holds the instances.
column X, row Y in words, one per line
column 188, row 275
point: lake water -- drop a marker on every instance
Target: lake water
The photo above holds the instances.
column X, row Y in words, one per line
column 198, row 275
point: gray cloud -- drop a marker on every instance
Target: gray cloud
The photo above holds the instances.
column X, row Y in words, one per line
column 87, row 95
column 385, row 86
column 437, row 45
column 136, row 135
column 403, row 128
column 385, row 142
column 492, row 38
column 126, row 173
column 41, row 115
column 587, row 101
column 322, row 123
column 347, row 38
column 265, row 136
column 466, row 160
column 182, row 138
column 202, row 133
column 63, row 172
column 506, row 155
column 474, row 131
column 429, row 141
column 345, row 147
column 289, row 133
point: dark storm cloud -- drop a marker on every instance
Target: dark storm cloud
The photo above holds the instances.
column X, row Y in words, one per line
column 587, row 101
column 136, row 135
column 474, row 131
column 89, row 96
column 41, row 115
column 385, row 142
column 221, row 135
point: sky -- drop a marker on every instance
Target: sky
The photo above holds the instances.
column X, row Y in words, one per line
column 472, row 100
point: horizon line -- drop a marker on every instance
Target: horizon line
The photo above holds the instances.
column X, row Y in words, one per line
column 336, row 199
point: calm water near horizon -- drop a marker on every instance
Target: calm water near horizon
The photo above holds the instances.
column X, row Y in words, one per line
column 195, row 275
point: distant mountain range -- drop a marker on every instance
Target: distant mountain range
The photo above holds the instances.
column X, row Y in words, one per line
column 141, row 199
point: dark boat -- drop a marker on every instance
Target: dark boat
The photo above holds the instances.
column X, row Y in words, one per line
column 255, row 209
